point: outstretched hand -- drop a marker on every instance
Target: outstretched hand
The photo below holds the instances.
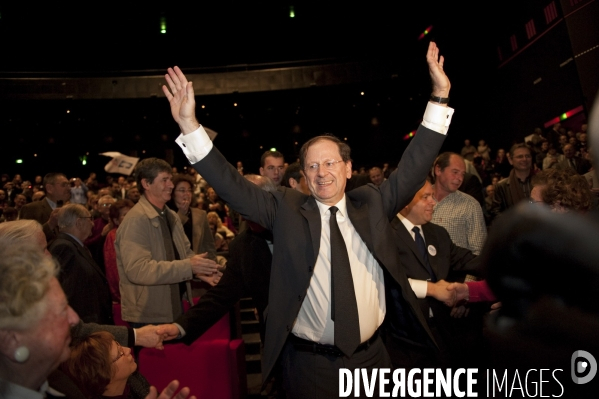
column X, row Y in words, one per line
column 212, row 280
column 462, row 292
column 148, row 337
column 168, row 331
column 180, row 95
column 440, row 81
column 439, row 291
column 202, row 265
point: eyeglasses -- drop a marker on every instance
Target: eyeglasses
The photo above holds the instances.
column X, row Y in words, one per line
column 328, row 165
column 120, row 352
column 183, row 190
column 106, row 205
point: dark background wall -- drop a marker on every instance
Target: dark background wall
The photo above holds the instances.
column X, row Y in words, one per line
column 495, row 98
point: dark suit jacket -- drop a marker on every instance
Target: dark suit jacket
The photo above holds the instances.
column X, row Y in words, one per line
column 82, row 280
column 295, row 221
column 450, row 263
column 247, row 272
column 40, row 211
column 502, row 199
column 582, row 165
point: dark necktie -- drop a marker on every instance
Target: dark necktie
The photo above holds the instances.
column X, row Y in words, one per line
column 344, row 308
column 422, row 248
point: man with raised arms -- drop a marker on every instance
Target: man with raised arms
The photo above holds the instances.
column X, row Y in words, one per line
column 327, row 234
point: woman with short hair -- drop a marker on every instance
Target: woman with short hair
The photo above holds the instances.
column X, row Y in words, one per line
column 101, row 368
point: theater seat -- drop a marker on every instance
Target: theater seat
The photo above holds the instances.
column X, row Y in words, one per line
column 213, row 367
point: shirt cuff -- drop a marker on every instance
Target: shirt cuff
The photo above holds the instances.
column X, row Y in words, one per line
column 195, row 145
column 181, row 331
column 419, row 287
column 437, row 117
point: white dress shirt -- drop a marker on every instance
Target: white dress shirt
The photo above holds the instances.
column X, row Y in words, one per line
column 418, row 286
column 314, row 318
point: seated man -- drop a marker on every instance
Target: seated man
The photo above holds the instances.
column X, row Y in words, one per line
column 82, row 280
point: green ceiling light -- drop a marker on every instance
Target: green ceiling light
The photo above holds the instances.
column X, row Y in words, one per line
column 163, row 25
column 273, row 149
column 19, row 161
column 291, row 12
column 83, row 160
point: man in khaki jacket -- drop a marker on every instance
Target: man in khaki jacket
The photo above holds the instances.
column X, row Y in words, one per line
column 154, row 257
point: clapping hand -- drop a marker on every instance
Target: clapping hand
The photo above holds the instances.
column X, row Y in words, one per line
column 202, row 265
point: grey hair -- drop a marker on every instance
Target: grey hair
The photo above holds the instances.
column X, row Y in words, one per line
column 24, row 229
column 25, row 275
column 68, row 215
column 107, row 197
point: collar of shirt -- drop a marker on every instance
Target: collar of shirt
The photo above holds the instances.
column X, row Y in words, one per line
column 75, row 238
column 525, row 181
column 160, row 211
column 409, row 225
column 325, row 214
column 52, row 204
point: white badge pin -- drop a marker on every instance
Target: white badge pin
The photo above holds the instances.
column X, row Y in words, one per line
column 432, row 250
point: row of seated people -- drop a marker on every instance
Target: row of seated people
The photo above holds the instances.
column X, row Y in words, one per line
column 217, row 357
column 443, row 169
column 326, row 177
column 552, row 193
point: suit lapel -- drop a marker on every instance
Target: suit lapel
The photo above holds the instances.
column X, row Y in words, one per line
column 431, row 239
column 358, row 215
column 406, row 238
column 310, row 211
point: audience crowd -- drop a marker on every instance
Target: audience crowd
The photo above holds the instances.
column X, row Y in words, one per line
column 82, row 218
